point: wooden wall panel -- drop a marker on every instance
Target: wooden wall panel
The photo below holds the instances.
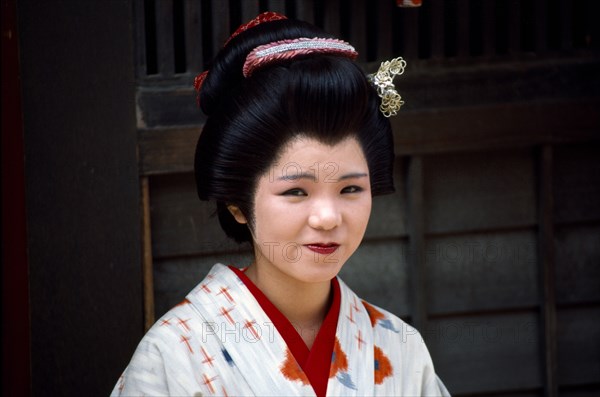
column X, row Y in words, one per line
column 167, row 151
column 588, row 391
column 579, row 346
column 491, row 353
column 578, row 264
column 182, row 225
column 479, row 190
column 377, row 272
column 178, row 106
column 388, row 214
column 388, row 217
column 577, row 182
column 82, row 193
column 478, row 272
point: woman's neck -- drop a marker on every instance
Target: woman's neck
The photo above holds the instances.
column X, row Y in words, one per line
column 305, row 305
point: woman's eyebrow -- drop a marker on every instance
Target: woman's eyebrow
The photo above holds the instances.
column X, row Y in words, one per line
column 328, row 178
column 295, row 177
column 352, row 176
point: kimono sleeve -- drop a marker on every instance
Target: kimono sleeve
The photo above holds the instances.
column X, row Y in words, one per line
column 145, row 374
column 435, row 387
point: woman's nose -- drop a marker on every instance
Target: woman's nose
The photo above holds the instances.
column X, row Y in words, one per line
column 325, row 216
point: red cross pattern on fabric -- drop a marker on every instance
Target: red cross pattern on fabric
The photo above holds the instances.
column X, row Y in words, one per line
column 186, row 340
column 208, row 382
column 207, row 359
column 351, row 316
column 205, row 288
column 354, row 305
column 250, row 326
column 359, row 339
column 224, row 291
column 183, row 323
column 165, row 322
column 225, row 313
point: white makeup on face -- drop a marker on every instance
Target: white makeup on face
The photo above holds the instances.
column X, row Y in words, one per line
column 311, row 210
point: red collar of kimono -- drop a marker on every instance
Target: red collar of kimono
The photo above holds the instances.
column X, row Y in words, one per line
column 315, row 362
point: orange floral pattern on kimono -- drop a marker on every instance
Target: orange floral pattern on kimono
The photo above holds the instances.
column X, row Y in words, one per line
column 339, row 361
column 374, row 314
column 291, row 369
column 383, row 367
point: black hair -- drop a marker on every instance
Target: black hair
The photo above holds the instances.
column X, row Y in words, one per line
column 250, row 120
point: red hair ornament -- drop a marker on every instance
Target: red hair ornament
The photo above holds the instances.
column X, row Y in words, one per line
column 288, row 49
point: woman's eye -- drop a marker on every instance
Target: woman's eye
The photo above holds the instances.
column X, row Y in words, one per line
column 294, row 193
column 352, row 189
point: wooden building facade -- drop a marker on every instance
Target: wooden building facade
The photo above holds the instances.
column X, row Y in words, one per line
column 490, row 246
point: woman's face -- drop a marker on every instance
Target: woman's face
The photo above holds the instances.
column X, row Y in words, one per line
column 311, row 210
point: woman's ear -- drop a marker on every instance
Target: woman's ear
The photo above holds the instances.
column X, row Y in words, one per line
column 237, row 213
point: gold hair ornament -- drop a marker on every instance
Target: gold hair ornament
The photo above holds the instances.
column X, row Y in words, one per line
column 383, row 81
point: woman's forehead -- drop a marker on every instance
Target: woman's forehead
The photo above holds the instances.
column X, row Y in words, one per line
column 304, row 148
column 308, row 156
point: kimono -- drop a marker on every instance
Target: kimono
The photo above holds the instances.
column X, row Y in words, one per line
column 221, row 341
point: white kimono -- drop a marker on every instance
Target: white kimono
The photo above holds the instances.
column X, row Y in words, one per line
column 219, row 341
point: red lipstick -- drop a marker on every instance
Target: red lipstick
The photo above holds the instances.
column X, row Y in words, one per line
column 324, row 249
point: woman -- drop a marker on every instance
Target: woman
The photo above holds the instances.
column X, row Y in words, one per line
column 294, row 147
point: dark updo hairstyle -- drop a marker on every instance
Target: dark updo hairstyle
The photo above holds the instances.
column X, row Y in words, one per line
column 324, row 97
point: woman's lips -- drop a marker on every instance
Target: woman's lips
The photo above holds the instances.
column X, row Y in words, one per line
column 324, row 249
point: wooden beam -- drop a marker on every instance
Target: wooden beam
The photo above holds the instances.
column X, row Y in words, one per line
column 147, row 267
column 305, row 11
column 193, row 37
column 167, row 150
column 171, row 150
column 277, row 6
column 384, row 30
column 220, row 24
column 140, row 38
column 164, row 38
column 437, row 29
column 541, row 26
column 416, row 232
column 489, row 26
column 249, row 10
column 566, row 25
column 358, row 28
column 514, row 27
column 462, row 39
column 496, row 126
column 332, row 17
column 410, row 32
column 547, row 269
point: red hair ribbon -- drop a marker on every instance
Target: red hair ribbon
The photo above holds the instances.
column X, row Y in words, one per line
column 268, row 16
column 289, row 49
column 408, row 3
